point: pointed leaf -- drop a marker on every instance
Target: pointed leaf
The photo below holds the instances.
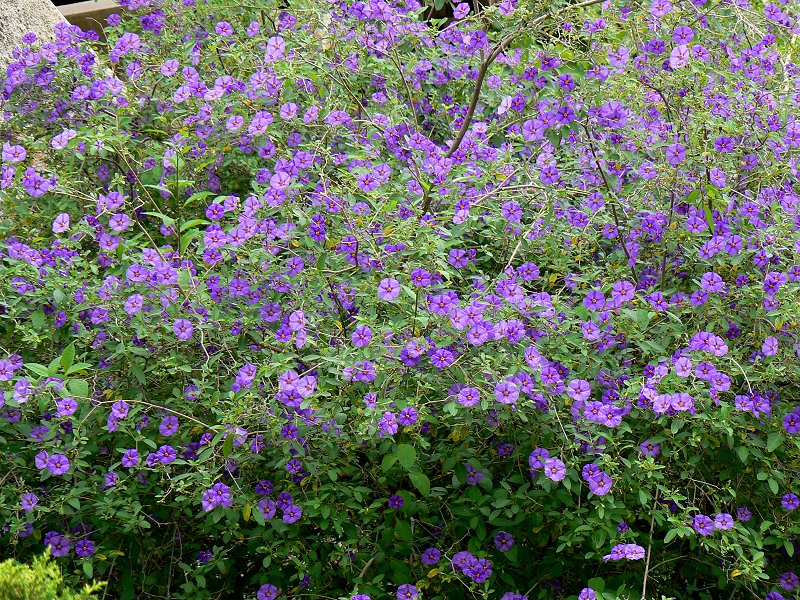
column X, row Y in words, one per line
column 421, row 482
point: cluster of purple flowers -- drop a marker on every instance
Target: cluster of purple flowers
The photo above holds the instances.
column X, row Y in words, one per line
column 477, row 569
column 57, row 464
column 408, row 260
column 704, row 525
column 625, row 551
column 268, row 507
column 599, row 481
column 218, row 494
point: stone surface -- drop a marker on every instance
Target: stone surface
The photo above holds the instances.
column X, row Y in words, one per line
column 18, row 17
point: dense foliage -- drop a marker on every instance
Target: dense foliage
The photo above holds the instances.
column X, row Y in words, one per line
column 324, row 300
column 41, row 580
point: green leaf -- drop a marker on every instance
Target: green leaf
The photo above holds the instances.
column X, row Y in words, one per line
column 37, row 318
column 67, row 357
column 403, row 530
column 137, row 371
column 192, row 223
column 388, row 462
column 670, row 535
column 421, row 482
column 597, row 584
column 78, row 367
column 37, row 369
column 79, row 387
column 773, row 441
column 88, row 569
column 709, row 216
column 773, row 485
column 406, row 455
column 742, row 452
column 168, row 221
column 227, row 447
column 187, row 238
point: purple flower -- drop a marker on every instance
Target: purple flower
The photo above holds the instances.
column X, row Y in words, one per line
column 789, row 581
column 58, row 464
column 396, row 502
column 420, row 278
column 555, row 469
column 387, row 424
column 648, row 448
column 579, row 390
column 474, row 477
column 676, row 153
column 537, row 458
column 59, row 545
column 678, row 57
column 743, row 514
column 168, row 426
column 14, row 153
column 506, row 392
column 61, row 223
column 292, row 513
column 224, row 29
column 218, row 494
column 361, row 336
column 130, row 458
column 66, row 407
column 791, row 422
column 84, row 548
column 723, row 521
column 790, row 501
column 503, row 541
column 712, row 283
column 633, row 552
column 166, row 454
column 408, row 416
column 431, row 556
column 29, row 501
column 267, row 506
column 407, row 592
column 267, row 592
column 469, row 396
column 617, row 553
column 703, row 525
column 770, row 346
column 388, row 289
column 183, row 329
column 600, row 484
column 60, row 141
column 594, row 300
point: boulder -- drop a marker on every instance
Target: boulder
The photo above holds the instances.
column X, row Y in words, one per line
column 18, row 17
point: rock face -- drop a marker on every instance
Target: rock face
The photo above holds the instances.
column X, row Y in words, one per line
column 18, row 17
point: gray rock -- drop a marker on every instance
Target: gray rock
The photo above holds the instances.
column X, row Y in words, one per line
column 18, row 17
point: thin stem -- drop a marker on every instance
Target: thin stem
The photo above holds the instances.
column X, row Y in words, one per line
column 612, row 204
column 649, row 548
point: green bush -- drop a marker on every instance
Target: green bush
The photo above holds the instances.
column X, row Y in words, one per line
column 40, row 581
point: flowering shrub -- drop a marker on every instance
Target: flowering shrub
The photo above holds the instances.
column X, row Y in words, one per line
column 41, row 580
column 329, row 301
